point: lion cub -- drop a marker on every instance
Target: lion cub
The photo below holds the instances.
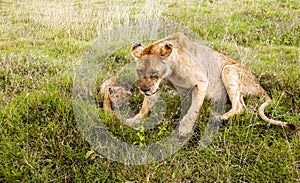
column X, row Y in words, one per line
column 113, row 96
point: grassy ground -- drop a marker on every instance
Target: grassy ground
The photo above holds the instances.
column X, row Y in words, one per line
column 42, row 41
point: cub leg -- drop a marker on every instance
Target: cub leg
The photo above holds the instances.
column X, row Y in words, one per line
column 106, row 100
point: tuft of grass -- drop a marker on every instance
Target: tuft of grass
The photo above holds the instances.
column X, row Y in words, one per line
column 41, row 43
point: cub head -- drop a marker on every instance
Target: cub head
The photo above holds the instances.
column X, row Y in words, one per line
column 118, row 96
column 153, row 65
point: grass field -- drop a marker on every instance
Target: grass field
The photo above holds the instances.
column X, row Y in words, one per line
column 41, row 43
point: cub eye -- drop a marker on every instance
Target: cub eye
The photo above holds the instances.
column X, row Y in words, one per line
column 153, row 74
column 139, row 72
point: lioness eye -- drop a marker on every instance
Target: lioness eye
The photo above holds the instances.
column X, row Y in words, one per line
column 154, row 74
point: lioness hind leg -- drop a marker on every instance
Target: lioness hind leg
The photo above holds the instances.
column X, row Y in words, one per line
column 230, row 77
column 238, row 82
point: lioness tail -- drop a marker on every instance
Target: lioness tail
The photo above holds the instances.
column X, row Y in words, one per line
column 286, row 125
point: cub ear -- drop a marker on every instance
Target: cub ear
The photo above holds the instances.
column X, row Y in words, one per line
column 136, row 50
column 111, row 90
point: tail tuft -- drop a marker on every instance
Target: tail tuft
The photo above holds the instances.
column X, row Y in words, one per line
column 291, row 127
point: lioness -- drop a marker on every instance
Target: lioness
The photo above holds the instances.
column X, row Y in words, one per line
column 113, row 96
column 190, row 66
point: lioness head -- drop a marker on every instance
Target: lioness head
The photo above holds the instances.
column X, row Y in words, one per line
column 118, row 96
column 152, row 65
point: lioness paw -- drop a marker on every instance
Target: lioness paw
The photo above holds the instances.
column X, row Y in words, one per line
column 132, row 121
column 184, row 131
column 218, row 121
column 185, row 128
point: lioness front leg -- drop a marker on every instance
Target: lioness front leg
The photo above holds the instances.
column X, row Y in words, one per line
column 148, row 103
column 187, row 123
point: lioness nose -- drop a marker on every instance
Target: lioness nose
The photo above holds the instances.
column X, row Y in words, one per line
column 145, row 89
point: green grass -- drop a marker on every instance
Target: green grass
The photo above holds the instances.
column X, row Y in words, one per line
column 41, row 43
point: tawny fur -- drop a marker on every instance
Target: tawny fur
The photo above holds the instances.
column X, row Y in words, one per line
column 188, row 65
column 113, row 95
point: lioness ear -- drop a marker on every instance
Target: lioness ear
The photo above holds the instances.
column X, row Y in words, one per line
column 136, row 50
column 166, row 49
